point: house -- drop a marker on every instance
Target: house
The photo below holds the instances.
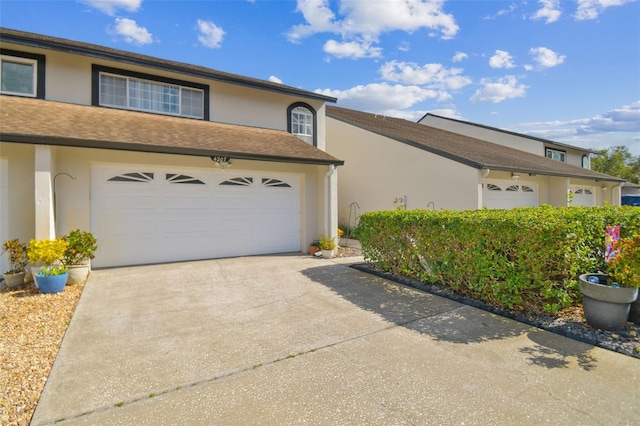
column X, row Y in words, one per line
column 162, row 161
column 393, row 163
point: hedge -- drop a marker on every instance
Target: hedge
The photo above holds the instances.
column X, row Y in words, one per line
column 523, row 259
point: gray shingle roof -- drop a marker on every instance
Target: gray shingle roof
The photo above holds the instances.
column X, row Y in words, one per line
column 470, row 151
column 37, row 121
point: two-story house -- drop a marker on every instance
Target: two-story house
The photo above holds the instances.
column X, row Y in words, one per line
column 160, row 160
column 440, row 163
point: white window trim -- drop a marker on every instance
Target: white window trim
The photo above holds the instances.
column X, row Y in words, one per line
column 154, row 82
column 34, row 75
column 561, row 154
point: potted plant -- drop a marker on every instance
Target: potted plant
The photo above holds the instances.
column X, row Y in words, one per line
column 52, row 275
column 607, row 297
column 314, row 247
column 14, row 277
column 77, row 257
column 327, row 245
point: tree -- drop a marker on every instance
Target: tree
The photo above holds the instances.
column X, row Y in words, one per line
column 617, row 161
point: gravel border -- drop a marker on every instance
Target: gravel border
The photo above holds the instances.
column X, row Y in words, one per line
column 570, row 323
column 33, row 325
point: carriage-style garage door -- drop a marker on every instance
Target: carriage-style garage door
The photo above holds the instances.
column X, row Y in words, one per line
column 508, row 194
column 149, row 214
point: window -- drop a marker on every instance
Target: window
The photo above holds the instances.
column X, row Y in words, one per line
column 141, row 92
column 21, row 74
column 585, row 162
column 302, row 122
column 554, row 154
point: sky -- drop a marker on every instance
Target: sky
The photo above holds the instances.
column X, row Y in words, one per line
column 568, row 71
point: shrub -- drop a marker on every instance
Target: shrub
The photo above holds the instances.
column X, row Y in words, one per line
column 525, row 259
column 82, row 246
column 326, row 243
column 17, row 255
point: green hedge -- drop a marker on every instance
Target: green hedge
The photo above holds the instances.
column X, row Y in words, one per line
column 524, row 259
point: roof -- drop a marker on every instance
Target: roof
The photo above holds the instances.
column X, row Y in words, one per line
column 35, row 121
column 473, row 152
column 522, row 135
column 87, row 49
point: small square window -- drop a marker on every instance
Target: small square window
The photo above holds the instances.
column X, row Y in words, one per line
column 18, row 76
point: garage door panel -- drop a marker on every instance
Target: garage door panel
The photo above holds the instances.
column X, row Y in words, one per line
column 160, row 220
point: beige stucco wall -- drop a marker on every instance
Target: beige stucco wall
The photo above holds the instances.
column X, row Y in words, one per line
column 68, row 79
column 73, row 196
column 378, row 171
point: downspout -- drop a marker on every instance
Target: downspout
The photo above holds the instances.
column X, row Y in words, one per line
column 615, row 186
column 327, row 199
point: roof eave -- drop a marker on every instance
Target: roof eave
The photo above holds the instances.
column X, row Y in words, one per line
column 147, row 61
column 123, row 146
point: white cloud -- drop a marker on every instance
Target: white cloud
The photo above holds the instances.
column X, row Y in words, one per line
column 352, row 49
column 132, row 33
column 618, row 126
column 110, row 7
column 550, row 11
column 501, row 59
column 365, row 21
column 501, row 12
column 591, row 9
column 210, row 35
column 546, row 58
column 275, row 79
column 434, row 76
column 497, row 91
column 381, row 97
column 459, row 56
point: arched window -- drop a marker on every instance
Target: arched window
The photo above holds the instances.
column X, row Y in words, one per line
column 301, row 121
column 585, row 162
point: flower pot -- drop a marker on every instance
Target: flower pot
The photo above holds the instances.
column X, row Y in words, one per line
column 78, row 274
column 328, row 253
column 605, row 307
column 34, row 272
column 53, row 283
column 634, row 312
column 14, row 280
column 313, row 250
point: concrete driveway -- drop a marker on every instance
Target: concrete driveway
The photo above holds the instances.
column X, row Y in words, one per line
column 292, row 339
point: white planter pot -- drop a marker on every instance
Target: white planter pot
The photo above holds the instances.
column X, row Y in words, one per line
column 328, row 253
column 34, row 271
column 77, row 274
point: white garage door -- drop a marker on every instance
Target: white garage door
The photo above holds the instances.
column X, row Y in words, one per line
column 509, row 194
column 583, row 196
column 4, row 213
column 148, row 214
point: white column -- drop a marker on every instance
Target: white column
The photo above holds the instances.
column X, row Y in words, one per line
column 45, row 225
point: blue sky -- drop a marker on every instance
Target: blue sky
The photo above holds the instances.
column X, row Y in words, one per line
column 563, row 70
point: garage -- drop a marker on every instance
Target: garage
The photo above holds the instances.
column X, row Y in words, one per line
column 509, row 194
column 583, row 196
column 142, row 214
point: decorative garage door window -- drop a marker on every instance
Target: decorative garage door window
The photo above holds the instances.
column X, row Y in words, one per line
column 510, row 188
column 270, row 182
column 239, row 181
column 584, row 191
column 133, row 177
column 248, row 181
column 175, row 178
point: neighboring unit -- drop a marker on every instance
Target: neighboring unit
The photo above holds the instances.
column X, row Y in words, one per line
column 160, row 160
column 392, row 163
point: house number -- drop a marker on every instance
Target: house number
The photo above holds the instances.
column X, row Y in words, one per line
column 217, row 159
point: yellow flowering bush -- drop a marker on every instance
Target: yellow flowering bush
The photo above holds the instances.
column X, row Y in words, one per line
column 47, row 252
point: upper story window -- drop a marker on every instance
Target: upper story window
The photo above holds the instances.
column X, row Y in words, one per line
column 302, row 122
column 122, row 89
column 585, row 162
column 21, row 74
column 555, row 154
